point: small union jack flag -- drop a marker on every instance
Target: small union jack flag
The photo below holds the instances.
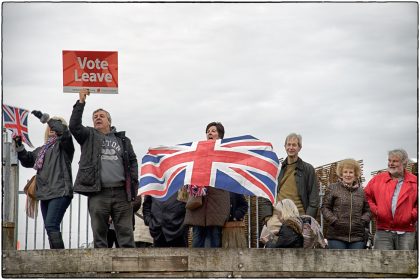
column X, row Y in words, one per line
column 241, row 164
column 16, row 120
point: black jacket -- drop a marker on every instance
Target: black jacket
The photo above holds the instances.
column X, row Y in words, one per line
column 308, row 189
column 164, row 217
column 88, row 179
column 238, row 206
column 287, row 238
column 54, row 179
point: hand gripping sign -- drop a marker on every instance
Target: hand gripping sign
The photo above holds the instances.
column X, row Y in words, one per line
column 95, row 70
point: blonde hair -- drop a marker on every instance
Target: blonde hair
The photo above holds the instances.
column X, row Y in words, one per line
column 47, row 129
column 287, row 209
column 348, row 163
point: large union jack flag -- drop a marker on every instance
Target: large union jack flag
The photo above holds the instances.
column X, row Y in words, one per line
column 16, row 120
column 241, row 164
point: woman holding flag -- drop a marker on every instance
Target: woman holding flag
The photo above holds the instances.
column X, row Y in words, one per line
column 52, row 162
column 208, row 219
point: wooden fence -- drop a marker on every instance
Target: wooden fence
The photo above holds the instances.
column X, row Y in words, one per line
column 209, row 263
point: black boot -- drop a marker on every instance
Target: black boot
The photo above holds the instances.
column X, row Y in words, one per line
column 56, row 241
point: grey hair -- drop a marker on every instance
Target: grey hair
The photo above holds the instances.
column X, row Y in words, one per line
column 106, row 112
column 402, row 154
column 294, row 135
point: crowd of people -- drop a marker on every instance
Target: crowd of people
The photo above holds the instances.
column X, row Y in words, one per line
column 108, row 176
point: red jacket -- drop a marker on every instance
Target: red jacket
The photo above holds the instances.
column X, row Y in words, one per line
column 379, row 192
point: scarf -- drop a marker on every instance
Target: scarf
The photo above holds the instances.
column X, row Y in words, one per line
column 194, row 190
column 351, row 187
column 39, row 162
column 295, row 223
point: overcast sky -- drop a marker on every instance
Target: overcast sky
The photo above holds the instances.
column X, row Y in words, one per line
column 343, row 75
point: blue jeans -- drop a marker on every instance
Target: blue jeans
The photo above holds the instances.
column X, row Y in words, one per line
column 207, row 237
column 111, row 202
column 53, row 211
column 338, row 244
column 386, row 240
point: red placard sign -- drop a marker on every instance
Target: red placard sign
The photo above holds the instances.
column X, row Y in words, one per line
column 95, row 70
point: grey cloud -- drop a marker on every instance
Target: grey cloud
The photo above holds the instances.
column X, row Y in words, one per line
column 342, row 74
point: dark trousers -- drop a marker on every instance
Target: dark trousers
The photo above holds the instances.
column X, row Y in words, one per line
column 180, row 241
column 338, row 244
column 207, row 237
column 112, row 238
column 141, row 244
column 53, row 211
column 111, row 202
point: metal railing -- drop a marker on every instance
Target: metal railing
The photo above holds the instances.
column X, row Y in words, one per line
column 76, row 233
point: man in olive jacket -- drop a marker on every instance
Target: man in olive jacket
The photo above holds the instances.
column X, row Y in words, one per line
column 108, row 174
column 297, row 181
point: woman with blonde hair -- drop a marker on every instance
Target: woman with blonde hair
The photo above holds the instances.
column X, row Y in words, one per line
column 52, row 162
column 345, row 208
column 285, row 227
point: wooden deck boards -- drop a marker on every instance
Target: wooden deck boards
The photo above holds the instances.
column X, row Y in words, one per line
column 213, row 263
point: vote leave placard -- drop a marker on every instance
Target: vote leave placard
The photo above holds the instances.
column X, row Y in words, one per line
column 95, row 70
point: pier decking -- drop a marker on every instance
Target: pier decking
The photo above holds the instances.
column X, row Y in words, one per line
column 188, row 262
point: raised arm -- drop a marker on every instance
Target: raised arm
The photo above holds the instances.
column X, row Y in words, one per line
column 64, row 137
column 79, row 131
